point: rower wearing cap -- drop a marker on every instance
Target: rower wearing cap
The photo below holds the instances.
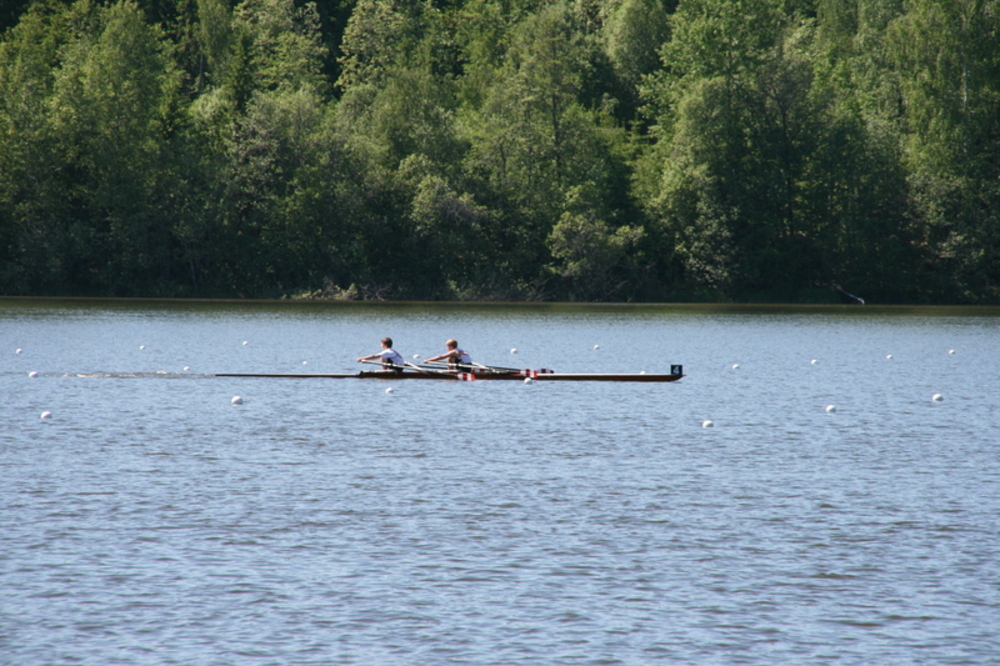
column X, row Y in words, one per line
column 391, row 359
column 454, row 355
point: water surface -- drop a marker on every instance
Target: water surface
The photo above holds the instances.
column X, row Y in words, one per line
column 150, row 521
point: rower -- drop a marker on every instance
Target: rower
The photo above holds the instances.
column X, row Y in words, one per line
column 454, row 356
column 391, row 359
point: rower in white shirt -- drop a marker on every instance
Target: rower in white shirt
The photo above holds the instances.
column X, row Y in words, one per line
column 454, row 355
column 391, row 359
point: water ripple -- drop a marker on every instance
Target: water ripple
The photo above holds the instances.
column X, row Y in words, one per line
column 153, row 522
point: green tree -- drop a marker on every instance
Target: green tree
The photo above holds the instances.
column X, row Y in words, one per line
column 634, row 34
column 858, row 191
column 93, row 211
column 380, row 35
column 33, row 205
column 259, row 130
column 285, row 47
column 412, row 113
column 214, row 34
column 113, row 96
column 532, row 143
column 732, row 117
column 596, row 261
column 447, row 237
column 525, row 136
column 949, row 57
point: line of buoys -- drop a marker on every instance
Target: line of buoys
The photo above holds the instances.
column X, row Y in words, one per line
column 830, row 409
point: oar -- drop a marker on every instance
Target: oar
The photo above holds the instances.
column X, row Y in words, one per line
column 478, row 366
column 471, row 366
column 406, row 364
column 525, row 372
column 497, row 369
column 462, row 376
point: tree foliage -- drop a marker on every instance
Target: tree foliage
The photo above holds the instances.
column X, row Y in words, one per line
column 513, row 149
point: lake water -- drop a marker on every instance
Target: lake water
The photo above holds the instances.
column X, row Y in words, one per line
column 150, row 521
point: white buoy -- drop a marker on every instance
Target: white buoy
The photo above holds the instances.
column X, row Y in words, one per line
column 18, row 350
column 187, row 368
column 237, row 400
column 950, row 351
column 529, row 380
column 597, row 346
column 32, row 374
column 707, row 423
column 305, row 362
column 642, row 372
column 513, row 350
column 142, row 346
column 813, row 361
column 937, row 397
column 889, row 356
column 246, row 342
column 416, row 356
column 389, row 390
column 45, row 416
column 830, row 409
column 736, row 366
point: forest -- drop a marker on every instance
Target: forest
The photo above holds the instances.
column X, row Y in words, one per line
column 796, row 151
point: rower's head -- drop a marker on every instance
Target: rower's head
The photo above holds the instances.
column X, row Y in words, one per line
column 452, row 344
column 387, row 343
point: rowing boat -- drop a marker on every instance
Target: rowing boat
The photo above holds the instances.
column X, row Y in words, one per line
column 676, row 372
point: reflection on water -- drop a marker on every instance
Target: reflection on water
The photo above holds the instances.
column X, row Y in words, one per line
column 151, row 521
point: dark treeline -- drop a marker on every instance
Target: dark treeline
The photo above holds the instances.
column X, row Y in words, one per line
column 768, row 150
